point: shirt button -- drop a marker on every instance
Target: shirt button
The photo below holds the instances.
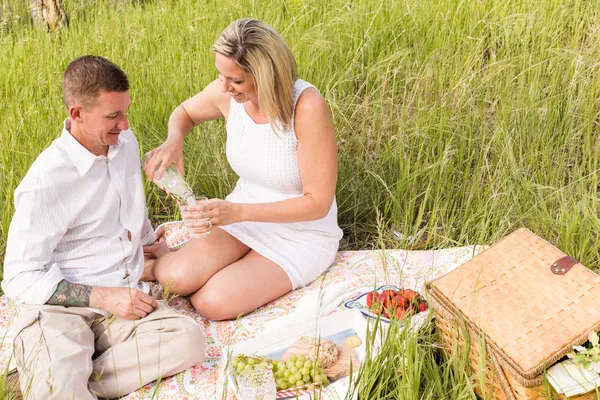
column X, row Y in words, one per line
column 129, row 235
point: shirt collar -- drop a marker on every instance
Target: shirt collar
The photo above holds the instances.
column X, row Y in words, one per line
column 79, row 155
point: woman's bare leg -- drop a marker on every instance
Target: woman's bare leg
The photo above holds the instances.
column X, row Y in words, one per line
column 186, row 270
column 241, row 288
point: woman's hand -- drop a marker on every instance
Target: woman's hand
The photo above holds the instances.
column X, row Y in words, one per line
column 171, row 151
column 213, row 212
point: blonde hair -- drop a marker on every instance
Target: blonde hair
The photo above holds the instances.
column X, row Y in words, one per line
column 262, row 52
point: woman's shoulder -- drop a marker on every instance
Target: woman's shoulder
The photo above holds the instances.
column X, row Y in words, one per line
column 311, row 111
column 308, row 99
column 301, row 86
column 215, row 96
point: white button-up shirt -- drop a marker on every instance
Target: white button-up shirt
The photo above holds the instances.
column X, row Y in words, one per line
column 78, row 217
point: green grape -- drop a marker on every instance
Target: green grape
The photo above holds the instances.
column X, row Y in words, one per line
column 236, row 360
column 306, row 378
column 287, row 373
column 285, row 385
column 305, row 371
column 311, row 386
column 279, row 383
column 300, row 383
column 239, row 370
column 312, row 372
column 302, row 358
column 293, row 358
column 299, row 364
column 292, row 379
column 240, row 364
column 251, row 361
column 298, row 375
column 294, row 370
column 281, row 365
column 290, row 364
column 308, row 364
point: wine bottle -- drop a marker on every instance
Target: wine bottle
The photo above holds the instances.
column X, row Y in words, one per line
column 173, row 183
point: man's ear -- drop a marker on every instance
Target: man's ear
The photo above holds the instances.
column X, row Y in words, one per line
column 75, row 113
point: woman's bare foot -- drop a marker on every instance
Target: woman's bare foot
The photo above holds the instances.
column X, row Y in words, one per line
column 152, row 253
column 148, row 274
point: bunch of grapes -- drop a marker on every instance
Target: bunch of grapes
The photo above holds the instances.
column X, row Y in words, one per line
column 297, row 371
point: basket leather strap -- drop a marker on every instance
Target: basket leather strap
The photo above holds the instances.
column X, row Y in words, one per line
column 563, row 265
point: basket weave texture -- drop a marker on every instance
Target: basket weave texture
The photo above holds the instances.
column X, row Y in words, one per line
column 530, row 317
column 496, row 383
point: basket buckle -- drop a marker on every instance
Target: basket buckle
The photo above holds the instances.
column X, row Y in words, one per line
column 563, row 265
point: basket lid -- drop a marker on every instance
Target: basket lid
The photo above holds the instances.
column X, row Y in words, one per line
column 531, row 309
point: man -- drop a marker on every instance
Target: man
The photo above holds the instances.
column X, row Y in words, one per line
column 86, row 326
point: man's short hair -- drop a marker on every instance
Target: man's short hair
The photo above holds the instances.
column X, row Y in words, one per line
column 87, row 76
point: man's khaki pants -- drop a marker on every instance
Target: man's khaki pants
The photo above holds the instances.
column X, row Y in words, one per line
column 75, row 353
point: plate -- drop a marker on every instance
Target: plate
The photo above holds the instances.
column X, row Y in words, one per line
column 360, row 303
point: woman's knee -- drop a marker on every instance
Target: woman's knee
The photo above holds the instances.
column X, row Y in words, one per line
column 214, row 306
column 175, row 277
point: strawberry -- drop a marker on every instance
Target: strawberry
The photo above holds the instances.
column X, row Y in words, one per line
column 410, row 294
column 423, row 306
column 377, row 304
column 370, row 296
column 389, row 299
column 400, row 313
column 385, row 312
column 401, row 301
column 377, row 307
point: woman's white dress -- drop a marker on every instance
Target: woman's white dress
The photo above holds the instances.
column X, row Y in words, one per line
column 267, row 165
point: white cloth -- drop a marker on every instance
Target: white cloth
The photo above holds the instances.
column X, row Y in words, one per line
column 267, row 164
column 571, row 379
column 78, row 217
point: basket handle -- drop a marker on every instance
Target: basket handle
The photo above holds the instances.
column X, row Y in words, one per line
column 563, row 265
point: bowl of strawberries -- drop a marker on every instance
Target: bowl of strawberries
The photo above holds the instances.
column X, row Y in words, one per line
column 389, row 302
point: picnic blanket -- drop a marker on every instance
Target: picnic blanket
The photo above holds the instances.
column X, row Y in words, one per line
column 350, row 271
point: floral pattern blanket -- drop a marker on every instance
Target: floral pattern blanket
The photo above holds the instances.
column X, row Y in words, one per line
column 354, row 269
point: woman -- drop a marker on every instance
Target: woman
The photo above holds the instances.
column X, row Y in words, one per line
column 278, row 229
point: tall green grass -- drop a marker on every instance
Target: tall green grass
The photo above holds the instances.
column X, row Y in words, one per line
column 467, row 119
column 462, row 120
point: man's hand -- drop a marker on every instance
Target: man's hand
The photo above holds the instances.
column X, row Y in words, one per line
column 156, row 250
column 123, row 302
column 160, row 234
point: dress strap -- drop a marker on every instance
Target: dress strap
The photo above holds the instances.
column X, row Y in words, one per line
column 299, row 87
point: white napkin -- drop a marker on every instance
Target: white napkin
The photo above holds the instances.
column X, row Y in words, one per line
column 316, row 303
column 570, row 378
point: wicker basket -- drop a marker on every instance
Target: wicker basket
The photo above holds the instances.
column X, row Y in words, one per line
column 519, row 306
